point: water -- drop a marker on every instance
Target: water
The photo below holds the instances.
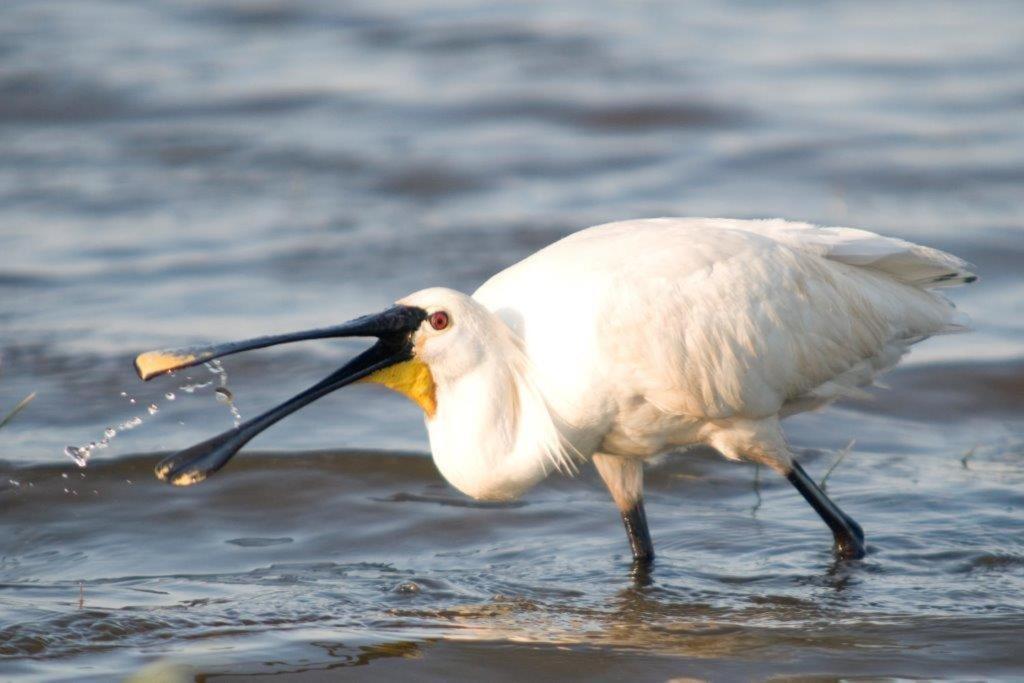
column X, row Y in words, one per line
column 181, row 173
column 222, row 393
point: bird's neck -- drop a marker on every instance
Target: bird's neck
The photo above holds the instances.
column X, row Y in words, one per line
column 493, row 435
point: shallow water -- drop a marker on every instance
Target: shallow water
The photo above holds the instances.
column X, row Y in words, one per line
column 183, row 172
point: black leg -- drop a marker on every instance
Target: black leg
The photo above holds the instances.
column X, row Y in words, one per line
column 635, row 520
column 848, row 534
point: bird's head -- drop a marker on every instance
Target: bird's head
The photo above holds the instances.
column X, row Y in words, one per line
column 427, row 339
column 453, row 339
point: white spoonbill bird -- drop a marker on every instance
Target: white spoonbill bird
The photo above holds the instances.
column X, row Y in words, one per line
column 626, row 340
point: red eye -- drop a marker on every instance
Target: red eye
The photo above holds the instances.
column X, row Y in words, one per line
column 438, row 320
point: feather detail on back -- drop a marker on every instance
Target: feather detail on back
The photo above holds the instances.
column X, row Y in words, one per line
column 741, row 318
column 907, row 262
column 921, row 267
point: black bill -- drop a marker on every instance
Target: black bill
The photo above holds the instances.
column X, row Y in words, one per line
column 393, row 329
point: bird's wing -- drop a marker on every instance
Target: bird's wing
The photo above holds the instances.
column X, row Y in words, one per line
column 907, row 262
column 719, row 318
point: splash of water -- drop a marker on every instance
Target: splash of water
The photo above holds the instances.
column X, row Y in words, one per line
column 222, row 392
column 81, row 454
column 192, row 388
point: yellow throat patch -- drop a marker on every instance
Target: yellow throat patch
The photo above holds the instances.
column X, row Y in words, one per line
column 411, row 378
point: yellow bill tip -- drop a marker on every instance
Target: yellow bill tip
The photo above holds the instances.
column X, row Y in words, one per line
column 186, row 478
column 153, row 363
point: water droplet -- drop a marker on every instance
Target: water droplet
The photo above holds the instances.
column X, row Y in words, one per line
column 223, row 393
column 14, row 482
column 191, row 388
column 124, row 394
column 64, row 475
column 130, row 423
column 169, row 395
column 110, row 432
column 132, row 401
column 79, row 454
column 152, row 408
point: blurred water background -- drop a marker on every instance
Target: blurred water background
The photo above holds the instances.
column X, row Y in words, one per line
column 177, row 172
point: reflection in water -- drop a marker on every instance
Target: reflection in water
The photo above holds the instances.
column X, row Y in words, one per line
column 642, row 573
column 365, row 654
column 757, row 491
column 452, row 500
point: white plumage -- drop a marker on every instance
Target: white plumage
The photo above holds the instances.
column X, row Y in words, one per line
column 644, row 335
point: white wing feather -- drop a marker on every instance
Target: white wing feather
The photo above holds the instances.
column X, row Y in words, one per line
column 907, row 262
column 716, row 319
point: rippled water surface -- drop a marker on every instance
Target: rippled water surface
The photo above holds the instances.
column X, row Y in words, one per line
column 182, row 172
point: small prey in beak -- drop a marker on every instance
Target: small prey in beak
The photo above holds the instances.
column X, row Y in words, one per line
column 393, row 328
